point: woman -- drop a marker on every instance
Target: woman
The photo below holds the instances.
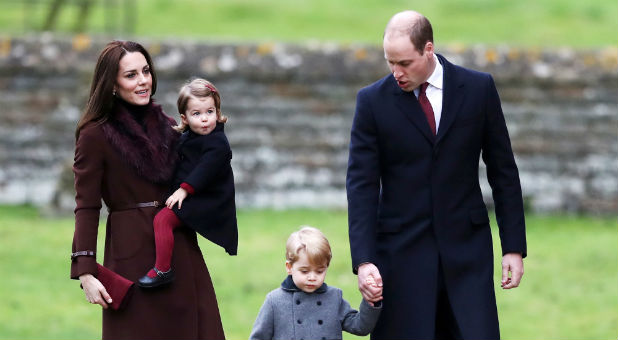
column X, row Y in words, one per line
column 125, row 155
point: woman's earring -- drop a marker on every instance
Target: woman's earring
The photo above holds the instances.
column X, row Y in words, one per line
column 114, row 93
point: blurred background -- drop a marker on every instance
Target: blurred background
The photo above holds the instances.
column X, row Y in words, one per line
column 288, row 72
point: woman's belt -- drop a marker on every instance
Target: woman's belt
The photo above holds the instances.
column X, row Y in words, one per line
column 120, row 207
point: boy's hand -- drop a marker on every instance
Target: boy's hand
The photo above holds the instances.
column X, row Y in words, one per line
column 371, row 281
column 178, row 196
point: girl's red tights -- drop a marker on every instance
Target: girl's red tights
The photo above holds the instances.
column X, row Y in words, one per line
column 164, row 224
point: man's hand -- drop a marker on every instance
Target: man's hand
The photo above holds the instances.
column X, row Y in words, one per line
column 178, row 196
column 514, row 264
column 370, row 282
column 94, row 290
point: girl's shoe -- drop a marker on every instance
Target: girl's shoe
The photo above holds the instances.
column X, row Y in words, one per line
column 162, row 278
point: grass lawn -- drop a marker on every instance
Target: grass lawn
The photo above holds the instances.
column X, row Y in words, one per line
column 569, row 289
column 523, row 22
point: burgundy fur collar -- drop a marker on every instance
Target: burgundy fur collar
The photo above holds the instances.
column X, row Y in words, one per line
column 151, row 152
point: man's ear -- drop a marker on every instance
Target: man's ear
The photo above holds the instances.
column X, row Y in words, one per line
column 429, row 48
column 288, row 267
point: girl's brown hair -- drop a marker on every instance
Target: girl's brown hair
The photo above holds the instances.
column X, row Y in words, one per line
column 101, row 98
column 198, row 88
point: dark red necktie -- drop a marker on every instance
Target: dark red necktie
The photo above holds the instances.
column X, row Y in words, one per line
column 426, row 105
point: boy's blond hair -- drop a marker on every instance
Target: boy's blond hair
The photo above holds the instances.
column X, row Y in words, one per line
column 312, row 242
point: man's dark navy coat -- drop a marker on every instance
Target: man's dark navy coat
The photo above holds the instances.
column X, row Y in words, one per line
column 414, row 201
column 205, row 165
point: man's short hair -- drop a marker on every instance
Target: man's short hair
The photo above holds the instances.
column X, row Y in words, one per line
column 419, row 31
column 313, row 242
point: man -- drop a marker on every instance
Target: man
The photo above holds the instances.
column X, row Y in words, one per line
column 417, row 220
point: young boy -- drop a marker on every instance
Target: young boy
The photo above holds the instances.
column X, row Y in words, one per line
column 305, row 307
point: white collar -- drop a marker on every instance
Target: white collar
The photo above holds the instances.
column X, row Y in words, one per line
column 435, row 79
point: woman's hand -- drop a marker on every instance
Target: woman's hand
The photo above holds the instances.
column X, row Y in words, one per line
column 178, row 196
column 94, row 290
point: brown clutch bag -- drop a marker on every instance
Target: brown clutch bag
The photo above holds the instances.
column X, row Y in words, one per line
column 117, row 286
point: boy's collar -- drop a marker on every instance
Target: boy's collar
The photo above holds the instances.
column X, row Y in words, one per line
column 289, row 286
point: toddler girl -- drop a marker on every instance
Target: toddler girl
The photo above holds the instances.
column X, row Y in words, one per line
column 203, row 178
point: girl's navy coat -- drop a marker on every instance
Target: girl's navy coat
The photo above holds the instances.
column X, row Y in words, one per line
column 205, row 165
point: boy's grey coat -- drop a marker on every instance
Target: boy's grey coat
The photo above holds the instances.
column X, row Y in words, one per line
column 289, row 313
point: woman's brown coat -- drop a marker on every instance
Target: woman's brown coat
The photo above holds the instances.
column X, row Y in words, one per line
column 119, row 162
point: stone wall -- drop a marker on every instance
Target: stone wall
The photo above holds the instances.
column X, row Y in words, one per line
column 291, row 107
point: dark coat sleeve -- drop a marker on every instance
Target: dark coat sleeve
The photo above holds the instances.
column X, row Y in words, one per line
column 503, row 176
column 363, row 183
column 88, row 169
column 216, row 154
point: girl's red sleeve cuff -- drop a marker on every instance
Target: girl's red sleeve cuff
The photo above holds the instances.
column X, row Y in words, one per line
column 187, row 187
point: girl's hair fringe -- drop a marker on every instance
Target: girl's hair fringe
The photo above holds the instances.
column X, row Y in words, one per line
column 197, row 88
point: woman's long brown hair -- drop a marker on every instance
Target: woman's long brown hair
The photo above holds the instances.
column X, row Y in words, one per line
column 101, row 98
